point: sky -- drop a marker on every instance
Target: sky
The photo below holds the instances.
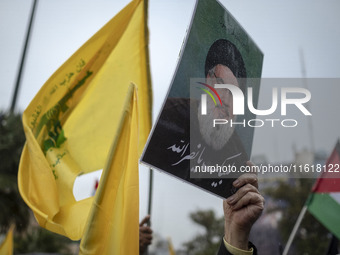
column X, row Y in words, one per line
column 288, row 33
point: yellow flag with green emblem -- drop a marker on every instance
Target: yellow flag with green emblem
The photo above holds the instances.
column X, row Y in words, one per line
column 113, row 226
column 72, row 121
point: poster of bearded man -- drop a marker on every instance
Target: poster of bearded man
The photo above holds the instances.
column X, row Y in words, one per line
column 197, row 137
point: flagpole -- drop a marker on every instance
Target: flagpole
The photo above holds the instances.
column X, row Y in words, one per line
column 146, row 9
column 296, row 227
column 150, row 193
column 147, row 55
column 149, row 203
column 23, row 57
column 310, row 123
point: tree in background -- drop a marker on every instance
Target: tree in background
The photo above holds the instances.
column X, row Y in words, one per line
column 290, row 196
column 12, row 139
column 209, row 241
column 28, row 236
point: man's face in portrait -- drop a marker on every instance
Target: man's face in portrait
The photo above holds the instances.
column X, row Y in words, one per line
column 219, row 135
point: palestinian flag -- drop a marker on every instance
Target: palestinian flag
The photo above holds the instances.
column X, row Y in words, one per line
column 324, row 202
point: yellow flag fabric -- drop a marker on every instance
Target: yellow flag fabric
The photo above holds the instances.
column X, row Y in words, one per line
column 112, row 226
column 6, row 247
column 72, row 121
column 171, row 248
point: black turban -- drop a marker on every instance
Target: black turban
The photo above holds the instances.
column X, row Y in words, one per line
column 225, row 53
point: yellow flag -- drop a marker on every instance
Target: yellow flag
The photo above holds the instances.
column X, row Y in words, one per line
column 72, row 121
column 171, row 248
column 6, row 247
column 112, row 226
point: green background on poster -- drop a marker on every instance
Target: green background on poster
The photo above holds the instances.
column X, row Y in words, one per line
column 211, row 21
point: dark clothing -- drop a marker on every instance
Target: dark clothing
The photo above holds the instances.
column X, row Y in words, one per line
column 176, row 146
column 223, row 250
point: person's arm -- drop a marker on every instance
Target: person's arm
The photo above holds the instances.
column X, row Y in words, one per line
column 145, row 235
column 241, row 210
column 227, row 249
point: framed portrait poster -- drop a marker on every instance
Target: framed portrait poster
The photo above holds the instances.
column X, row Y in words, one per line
column 200, row 135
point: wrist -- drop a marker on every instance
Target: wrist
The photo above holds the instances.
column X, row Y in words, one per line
column 237, row 237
